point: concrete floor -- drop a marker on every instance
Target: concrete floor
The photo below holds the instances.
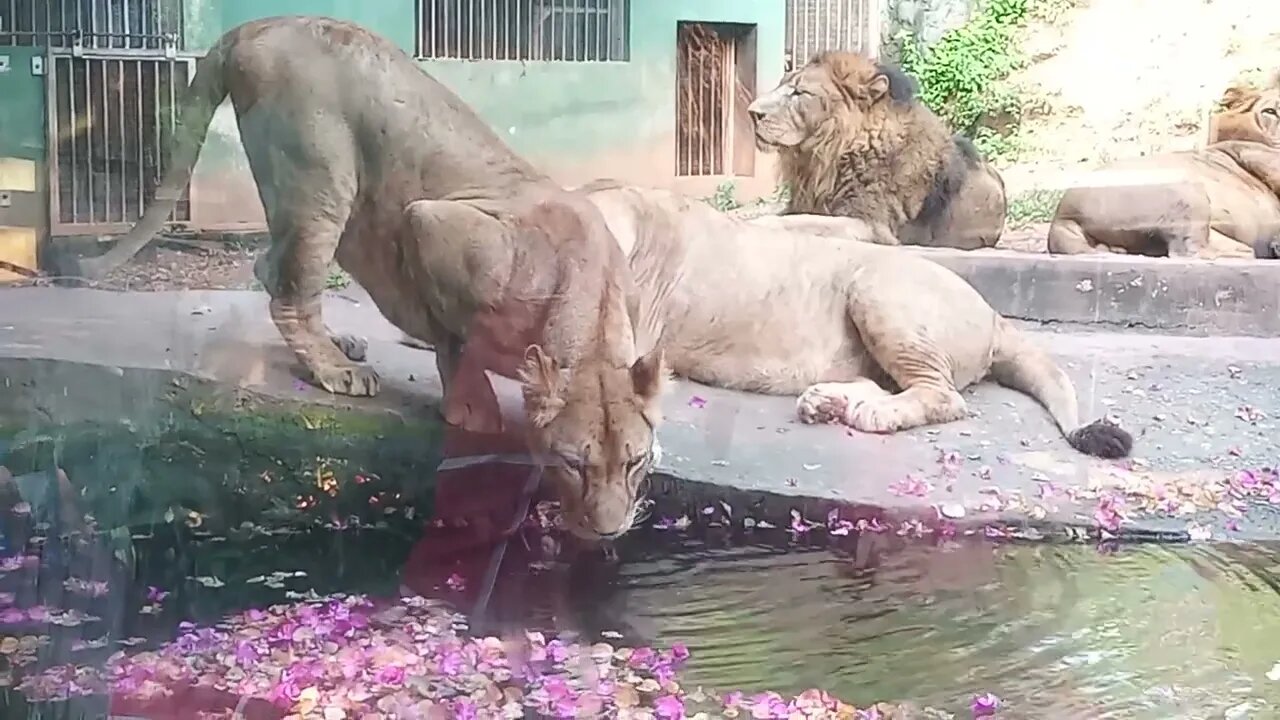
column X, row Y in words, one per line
column 1198, row 407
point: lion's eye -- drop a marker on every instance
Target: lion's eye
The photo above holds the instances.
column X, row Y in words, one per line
column 1269, row 111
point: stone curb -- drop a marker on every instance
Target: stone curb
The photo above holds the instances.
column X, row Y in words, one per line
column 1182, row 297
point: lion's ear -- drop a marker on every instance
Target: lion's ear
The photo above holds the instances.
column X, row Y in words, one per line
column 649, row 379
column 1237, row 97
column 878, row 87
column 543, row 385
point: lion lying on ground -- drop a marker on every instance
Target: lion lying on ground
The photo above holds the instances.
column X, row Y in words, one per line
column 864, row 334
column 854, row 140
column 1221, row 201
column 1248, row 113
column 461, row 243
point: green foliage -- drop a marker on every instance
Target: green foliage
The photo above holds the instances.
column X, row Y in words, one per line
column 964, row 76
column 338, row 279
column 725, row 197
column 1033, row 206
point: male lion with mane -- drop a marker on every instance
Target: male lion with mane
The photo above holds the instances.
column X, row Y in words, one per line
column 863, row 334
column 1221, row 201
column 854, row 140
column 358, row 154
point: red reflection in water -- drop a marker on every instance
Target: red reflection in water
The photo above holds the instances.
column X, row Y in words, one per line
column 477, row 508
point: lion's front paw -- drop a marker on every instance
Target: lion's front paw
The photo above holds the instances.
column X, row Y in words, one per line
column 876, row 416
column 822, row 404
column 356, row 381
column 355, row 348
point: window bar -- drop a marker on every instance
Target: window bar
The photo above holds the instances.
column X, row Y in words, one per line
column 72, row 134
column 506, row 30
column 173, row 119
column 697, row 105
column 470, row 52
column 139, row 96
column 580, row 31
column 90, row 111
column 519, row 26
column 119, row 154
column 682, row 103
column 106, row 142
column 591, row 33
column 158, row 136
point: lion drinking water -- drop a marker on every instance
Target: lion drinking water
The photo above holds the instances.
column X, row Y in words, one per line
column 359, row 154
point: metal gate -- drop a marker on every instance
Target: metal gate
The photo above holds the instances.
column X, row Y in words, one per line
column 111, row 118
column 113, row 80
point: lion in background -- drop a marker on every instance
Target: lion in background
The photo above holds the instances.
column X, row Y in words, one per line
column 359, row 154
column 854, row 140
column 1221, row 201
column 863, row 334
column 1249, row 113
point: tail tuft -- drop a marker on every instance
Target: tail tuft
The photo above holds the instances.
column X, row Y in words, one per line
column 1101, row 439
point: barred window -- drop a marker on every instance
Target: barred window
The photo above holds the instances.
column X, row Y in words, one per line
column 816, row 26
column 92, row 24
column 558, row 30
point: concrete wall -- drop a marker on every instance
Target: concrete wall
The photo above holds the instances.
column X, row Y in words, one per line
column 579, row 121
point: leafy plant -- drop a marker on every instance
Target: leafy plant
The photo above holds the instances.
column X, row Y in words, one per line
column 338, row 279
column 725, row 197
column 964, row 77
column 1033, row 206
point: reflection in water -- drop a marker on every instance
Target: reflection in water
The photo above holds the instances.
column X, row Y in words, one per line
column 1055, row 631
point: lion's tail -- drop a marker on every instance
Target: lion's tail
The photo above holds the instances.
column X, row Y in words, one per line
column 203, row 96
column 1020, row 364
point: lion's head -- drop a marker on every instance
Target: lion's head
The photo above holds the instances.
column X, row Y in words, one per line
column 1248, row 113
column 828, row 100
column 595, row 425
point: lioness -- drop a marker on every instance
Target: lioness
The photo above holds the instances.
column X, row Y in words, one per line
column 460, row 242
column 864, row 334
column 854, row 140
column 1222, row 201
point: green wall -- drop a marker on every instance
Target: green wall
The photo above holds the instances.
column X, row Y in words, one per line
column 22, row 119
column 548, row 110
column 556, row 114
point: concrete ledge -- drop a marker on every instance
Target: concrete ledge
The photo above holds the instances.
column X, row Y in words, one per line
column 1184, row 297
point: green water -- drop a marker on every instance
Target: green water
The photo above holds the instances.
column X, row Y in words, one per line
column 1055, row 631
column 208, row 513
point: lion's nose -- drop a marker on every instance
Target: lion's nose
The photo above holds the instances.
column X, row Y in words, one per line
column 755, row 113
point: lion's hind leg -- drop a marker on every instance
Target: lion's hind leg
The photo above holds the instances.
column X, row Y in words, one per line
column 931, row 334
column 835, row 402
column 928, row 399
